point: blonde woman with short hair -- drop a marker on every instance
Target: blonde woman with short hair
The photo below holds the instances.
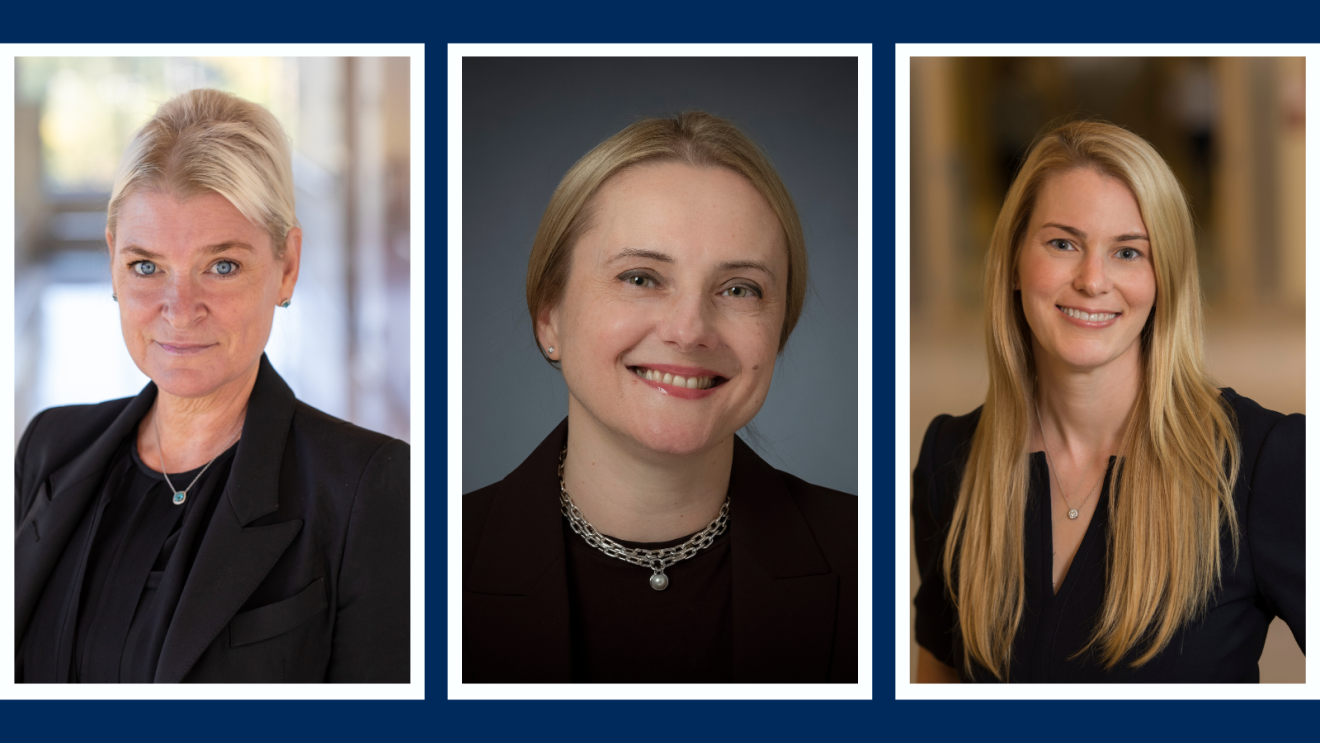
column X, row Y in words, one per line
column 1109, row 514
column 213, row 528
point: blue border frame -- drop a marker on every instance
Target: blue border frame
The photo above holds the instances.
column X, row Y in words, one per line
column 436, row 718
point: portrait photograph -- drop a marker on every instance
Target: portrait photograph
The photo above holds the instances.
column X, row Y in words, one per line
column 1106, row 372
column 214, row 372
column 659, row 370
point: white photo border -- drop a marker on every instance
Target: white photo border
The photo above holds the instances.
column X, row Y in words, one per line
column 903, row 686
column 456, row 688
column 416, row 688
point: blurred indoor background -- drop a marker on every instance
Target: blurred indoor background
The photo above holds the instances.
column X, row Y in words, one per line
column 1233, row 130
column 343, row 345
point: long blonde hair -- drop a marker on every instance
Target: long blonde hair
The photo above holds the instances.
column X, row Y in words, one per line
column 1171, row 494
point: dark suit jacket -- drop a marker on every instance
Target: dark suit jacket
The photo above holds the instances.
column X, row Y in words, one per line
column 793, row 550
column 302, row 574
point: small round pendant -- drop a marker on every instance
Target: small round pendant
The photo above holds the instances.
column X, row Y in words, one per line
column 659, row 581
column 179, row 497
column 1072, row 514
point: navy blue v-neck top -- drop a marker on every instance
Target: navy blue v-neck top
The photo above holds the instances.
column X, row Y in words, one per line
column 1268, row 578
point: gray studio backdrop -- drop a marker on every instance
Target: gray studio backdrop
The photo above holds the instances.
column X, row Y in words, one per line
column 526, row 121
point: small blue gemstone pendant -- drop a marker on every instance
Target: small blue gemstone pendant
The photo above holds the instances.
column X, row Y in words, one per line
column 179, row 497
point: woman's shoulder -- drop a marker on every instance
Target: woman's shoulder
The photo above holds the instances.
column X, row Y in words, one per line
column 948, row 438
column 1273, row 445
column 346, row 439
column 1258, row 424
column 822, row 504
column 58, row 434
column 943, row 455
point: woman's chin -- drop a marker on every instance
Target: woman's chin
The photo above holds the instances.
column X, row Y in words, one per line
column 184, row 382
column 678, row 440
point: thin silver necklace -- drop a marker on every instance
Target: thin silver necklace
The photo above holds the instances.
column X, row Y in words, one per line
column 182, row 495
column 1072, row 512
column 656, row 560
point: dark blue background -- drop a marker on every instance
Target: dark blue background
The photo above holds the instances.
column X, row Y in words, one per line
column 435, row 24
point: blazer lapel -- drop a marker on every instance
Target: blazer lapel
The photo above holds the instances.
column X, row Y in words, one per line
column 233, row 557
column 515, row 592
column 784, row 594
column 41, row 539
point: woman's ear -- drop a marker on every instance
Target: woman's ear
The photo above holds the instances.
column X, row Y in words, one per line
column 547, row 332
column 292, row 260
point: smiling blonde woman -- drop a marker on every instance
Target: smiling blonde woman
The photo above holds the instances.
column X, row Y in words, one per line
column 643, row 541
column 213, row 528
column 1109, row 514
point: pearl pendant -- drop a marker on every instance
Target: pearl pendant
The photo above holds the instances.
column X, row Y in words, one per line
column 179, row 497
column 1072, row 514
column 659, row 581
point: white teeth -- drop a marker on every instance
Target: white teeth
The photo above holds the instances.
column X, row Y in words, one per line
column 1089, row 317
column 691, row 383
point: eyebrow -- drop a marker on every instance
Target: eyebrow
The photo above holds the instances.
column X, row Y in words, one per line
column 1079, row 234
column 656, row 255
column 211, row 249
column 758, row 265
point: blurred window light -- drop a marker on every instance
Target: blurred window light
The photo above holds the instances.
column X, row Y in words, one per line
column 344, row 344
column 91, row 363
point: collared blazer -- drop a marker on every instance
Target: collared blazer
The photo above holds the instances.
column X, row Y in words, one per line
column 302, row 573
column 793, row 550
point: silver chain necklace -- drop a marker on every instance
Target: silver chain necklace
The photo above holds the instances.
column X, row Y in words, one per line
column 182, row 495
column 656, row 560
column 1072, row 512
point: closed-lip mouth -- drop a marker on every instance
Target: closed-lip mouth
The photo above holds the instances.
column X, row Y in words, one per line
column 183, row 346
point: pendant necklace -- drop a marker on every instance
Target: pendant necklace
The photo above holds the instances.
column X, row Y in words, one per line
column 656, row 560
column 182, row 495
column 1072, row 512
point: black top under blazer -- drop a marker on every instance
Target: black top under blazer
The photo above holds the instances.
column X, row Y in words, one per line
column 1267, row 580
column 793, row 549
column 302, row 575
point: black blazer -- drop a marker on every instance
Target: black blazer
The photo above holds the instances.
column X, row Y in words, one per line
column 302, row 574
column 793, row 550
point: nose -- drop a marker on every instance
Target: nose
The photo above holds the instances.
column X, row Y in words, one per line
column 1092, row 275
column 687, row 324
column 182, row 303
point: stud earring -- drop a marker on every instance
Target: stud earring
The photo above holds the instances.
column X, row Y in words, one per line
column 114, row 296
column 550, row 349
column 285, row 304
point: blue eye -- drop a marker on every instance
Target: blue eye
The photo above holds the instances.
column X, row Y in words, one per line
column 143, row 268
column 225, row 268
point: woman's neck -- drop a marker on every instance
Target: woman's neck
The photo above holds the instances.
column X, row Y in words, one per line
column 193, row 430
column 637, row 495
column 1086, row 412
